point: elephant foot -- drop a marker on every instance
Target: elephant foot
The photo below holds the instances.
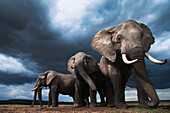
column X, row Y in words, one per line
column 54, row 105
column 145, row 106
column 93, row 105
column 121, row 105
column 148, row 104
column 103, row 104
column 87, row 105
column 76, row 105
column 111, row 105
column 153, row 104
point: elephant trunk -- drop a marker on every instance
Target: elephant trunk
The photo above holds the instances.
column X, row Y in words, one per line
column 142, row 80
column 85, row 76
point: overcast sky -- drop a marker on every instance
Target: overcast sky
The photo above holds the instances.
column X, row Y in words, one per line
column 41, row 35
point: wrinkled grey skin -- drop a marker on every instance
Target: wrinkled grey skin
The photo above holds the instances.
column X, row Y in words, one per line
column 133, row 39
column 58, row 83
column 87, row 73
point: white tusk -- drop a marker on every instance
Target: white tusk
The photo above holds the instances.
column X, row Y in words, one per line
column 155, row 60
column 127, row 87
column 125, row 60
column 34, row 88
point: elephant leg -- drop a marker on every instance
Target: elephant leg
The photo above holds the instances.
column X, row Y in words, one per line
column 101, row 93
column 49, row 99
column 93, row 92
column 77, row 98
column 53, row 95
column 109, row 93
column 40, row 96
column 116, row 82
column 126, row 72
column 57, row 99
column 122, row 96
column 92, row 98
column 86, row 100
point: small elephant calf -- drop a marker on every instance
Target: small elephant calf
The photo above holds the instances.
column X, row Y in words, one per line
column 58, row 83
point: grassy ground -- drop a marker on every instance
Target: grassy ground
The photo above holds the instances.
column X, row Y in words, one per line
column 164, row 107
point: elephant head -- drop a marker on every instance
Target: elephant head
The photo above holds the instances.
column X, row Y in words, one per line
column 133, row 41
column 85, row 65
column 44, row 79
column 124, row 38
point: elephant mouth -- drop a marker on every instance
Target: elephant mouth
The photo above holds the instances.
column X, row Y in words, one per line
column 149, row 57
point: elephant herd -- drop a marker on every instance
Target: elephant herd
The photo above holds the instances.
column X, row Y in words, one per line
column 123, row 49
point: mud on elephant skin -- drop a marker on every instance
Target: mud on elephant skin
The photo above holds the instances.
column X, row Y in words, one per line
column 123, row 48
column 58, row 83
column 87, row 78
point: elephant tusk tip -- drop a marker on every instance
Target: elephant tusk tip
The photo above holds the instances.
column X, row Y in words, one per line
column 135, row 60
column 164, row 61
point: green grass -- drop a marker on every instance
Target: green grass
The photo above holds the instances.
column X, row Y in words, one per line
column 133, row 104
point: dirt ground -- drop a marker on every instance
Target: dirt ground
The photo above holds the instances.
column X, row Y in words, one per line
column 162, row 108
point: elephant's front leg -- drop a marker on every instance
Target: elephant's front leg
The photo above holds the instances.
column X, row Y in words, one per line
column 109, row 93
column 92, row 98
column 49, row 98
column 78, row 97
column 116, row 82
column 101, row 93
column 86, row 99
column 54, row 95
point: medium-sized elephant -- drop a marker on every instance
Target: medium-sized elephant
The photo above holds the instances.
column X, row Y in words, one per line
column 88, row 78
column 58, row 83
column 124, row 48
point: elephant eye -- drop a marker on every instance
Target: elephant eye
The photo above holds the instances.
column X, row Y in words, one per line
column 118, row 38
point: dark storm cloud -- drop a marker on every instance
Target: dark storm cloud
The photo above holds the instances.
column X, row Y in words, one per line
column 25, row 33
column 16, row 79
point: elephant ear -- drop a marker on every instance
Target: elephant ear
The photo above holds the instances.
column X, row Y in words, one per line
column 71, row 65
column 92, row 65
column 102, row 43
column 50, row 76
column 147, row 37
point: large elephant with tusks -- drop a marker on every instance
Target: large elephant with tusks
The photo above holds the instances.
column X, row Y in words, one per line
column 124, row 48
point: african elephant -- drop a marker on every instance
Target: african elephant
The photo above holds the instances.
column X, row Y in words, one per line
column 123, row 48
column 88, row 78
column 58, row 83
